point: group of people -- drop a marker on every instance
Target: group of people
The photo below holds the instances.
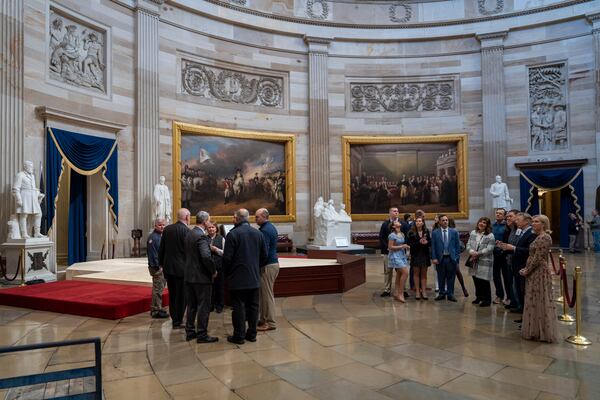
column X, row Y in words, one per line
column 195, row 262
column 512, row 252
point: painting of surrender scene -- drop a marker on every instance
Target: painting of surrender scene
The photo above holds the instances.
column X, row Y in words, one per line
column 425, row 175
column 221, row 174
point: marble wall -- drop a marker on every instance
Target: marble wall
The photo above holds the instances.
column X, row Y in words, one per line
column 280, row 52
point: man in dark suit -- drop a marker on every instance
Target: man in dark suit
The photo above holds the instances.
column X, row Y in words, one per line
column 520, row 254
column 384, row 232
column 244, row 255
column 445, row 255
column 171, row 256
column 200, row 270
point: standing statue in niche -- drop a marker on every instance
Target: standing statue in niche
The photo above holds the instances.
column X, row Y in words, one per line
column 162, row 201
column 320, row 223
column 500, row 195
column 28, row 199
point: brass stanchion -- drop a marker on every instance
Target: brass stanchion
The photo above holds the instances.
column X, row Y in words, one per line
column 565, row 317
column 22, row 267
column 577, row 338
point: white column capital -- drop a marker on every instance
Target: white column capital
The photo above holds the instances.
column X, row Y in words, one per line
column 492, row 40
column 594, row 20
column 317, row 44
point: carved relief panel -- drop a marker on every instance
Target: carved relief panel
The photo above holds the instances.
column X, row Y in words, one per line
column 77, row 51
column 404, row 96
column 231, row 86
column 548, row 128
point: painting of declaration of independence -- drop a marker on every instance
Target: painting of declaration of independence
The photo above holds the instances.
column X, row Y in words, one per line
column 221, row 174
column 410, row 176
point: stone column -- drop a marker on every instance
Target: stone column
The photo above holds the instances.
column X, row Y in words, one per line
column 318, row 114
column 594, row 19
column 147, row 144
column 11, row 104
column 494, row 116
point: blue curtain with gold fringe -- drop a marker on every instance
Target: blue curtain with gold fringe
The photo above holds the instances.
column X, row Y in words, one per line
column 570, row 183
column 85, row 155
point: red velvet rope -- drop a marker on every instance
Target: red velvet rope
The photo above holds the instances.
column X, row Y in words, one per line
column 569, row 299
column 556, row 271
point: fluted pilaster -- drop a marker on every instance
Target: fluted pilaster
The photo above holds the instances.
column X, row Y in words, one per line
column 148, row 118
column 494, row 116
column 11, row 103
column 318, row 118
column 594, row 19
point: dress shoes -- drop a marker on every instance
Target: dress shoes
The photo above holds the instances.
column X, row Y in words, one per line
column 485, row 304
column 385, row 294
column 207, row 339
column 178, row 326
column 219, row 309
column 233, row 339
column 476, row 301
column 159, row 314
column 250, row 338
column 406, row 295
column 440, row 297
column 452, row 299
column 190, row 336
column 264, row 328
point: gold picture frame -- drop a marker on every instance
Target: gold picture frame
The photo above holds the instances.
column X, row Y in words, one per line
column 181, row 129
column 458, row 148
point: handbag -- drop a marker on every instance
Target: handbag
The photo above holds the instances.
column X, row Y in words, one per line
column 471, row 263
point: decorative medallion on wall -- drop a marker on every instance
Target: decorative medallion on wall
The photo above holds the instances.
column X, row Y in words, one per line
column 231, row 86
column 403, row 96
column 400, row 13
column 490, row 7
column 77, row 52
column 548, row 127
column 317, row 9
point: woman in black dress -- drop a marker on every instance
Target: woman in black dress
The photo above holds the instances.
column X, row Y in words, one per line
column 419, row 241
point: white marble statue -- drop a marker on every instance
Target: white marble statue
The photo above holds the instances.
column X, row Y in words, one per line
column 329, row 212
column 343, row 215
column 320, row 224
column 162, row 201
column 500, row 195
column 13, row 228
column 28, row 199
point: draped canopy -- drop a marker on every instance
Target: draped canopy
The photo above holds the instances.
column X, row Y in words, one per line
column 570, row 183
column 85, row 155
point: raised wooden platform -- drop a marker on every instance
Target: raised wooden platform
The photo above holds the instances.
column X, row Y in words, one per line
column 297, row 276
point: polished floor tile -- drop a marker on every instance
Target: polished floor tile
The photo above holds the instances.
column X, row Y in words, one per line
column 354, row 345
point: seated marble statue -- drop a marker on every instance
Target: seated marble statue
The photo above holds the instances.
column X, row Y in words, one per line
column 343, row 215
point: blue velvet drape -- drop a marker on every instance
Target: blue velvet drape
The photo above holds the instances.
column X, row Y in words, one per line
column 85, row 155
column 570, row 183
column 77, row 218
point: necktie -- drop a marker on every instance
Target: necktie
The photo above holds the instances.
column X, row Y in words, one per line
column 445, row 241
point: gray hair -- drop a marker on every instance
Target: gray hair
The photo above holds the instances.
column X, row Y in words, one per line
column 242, row 215
column 526, row 216
column 202, row 217
column 264, row 212
column 159, row 220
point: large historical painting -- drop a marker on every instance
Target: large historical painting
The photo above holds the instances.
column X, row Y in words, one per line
column 416, row 172
column 221, row 170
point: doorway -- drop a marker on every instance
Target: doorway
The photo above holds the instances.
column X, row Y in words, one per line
column 550, row 202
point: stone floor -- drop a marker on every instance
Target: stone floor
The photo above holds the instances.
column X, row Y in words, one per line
column 351, row 346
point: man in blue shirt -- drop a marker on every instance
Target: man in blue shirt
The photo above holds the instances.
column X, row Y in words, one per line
column 499, row 270
column 156, row 272
column 268, row 274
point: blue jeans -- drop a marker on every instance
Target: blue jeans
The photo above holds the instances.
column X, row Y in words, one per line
column 446, row 274
column 596, row 236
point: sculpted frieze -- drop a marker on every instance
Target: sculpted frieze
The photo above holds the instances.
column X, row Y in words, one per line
column 317, row 9
column 403, row 96
column 548, row 108
column 490, row 7
column 231, row 86
column 77, row 53
column 400, row 13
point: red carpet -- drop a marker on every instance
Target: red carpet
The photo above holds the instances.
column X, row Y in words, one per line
column 90, row 299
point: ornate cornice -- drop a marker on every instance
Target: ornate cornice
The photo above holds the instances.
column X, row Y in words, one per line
column 465, row 21
column 49, row 113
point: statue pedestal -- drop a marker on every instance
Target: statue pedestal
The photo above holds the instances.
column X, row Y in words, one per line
column 39, row 263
